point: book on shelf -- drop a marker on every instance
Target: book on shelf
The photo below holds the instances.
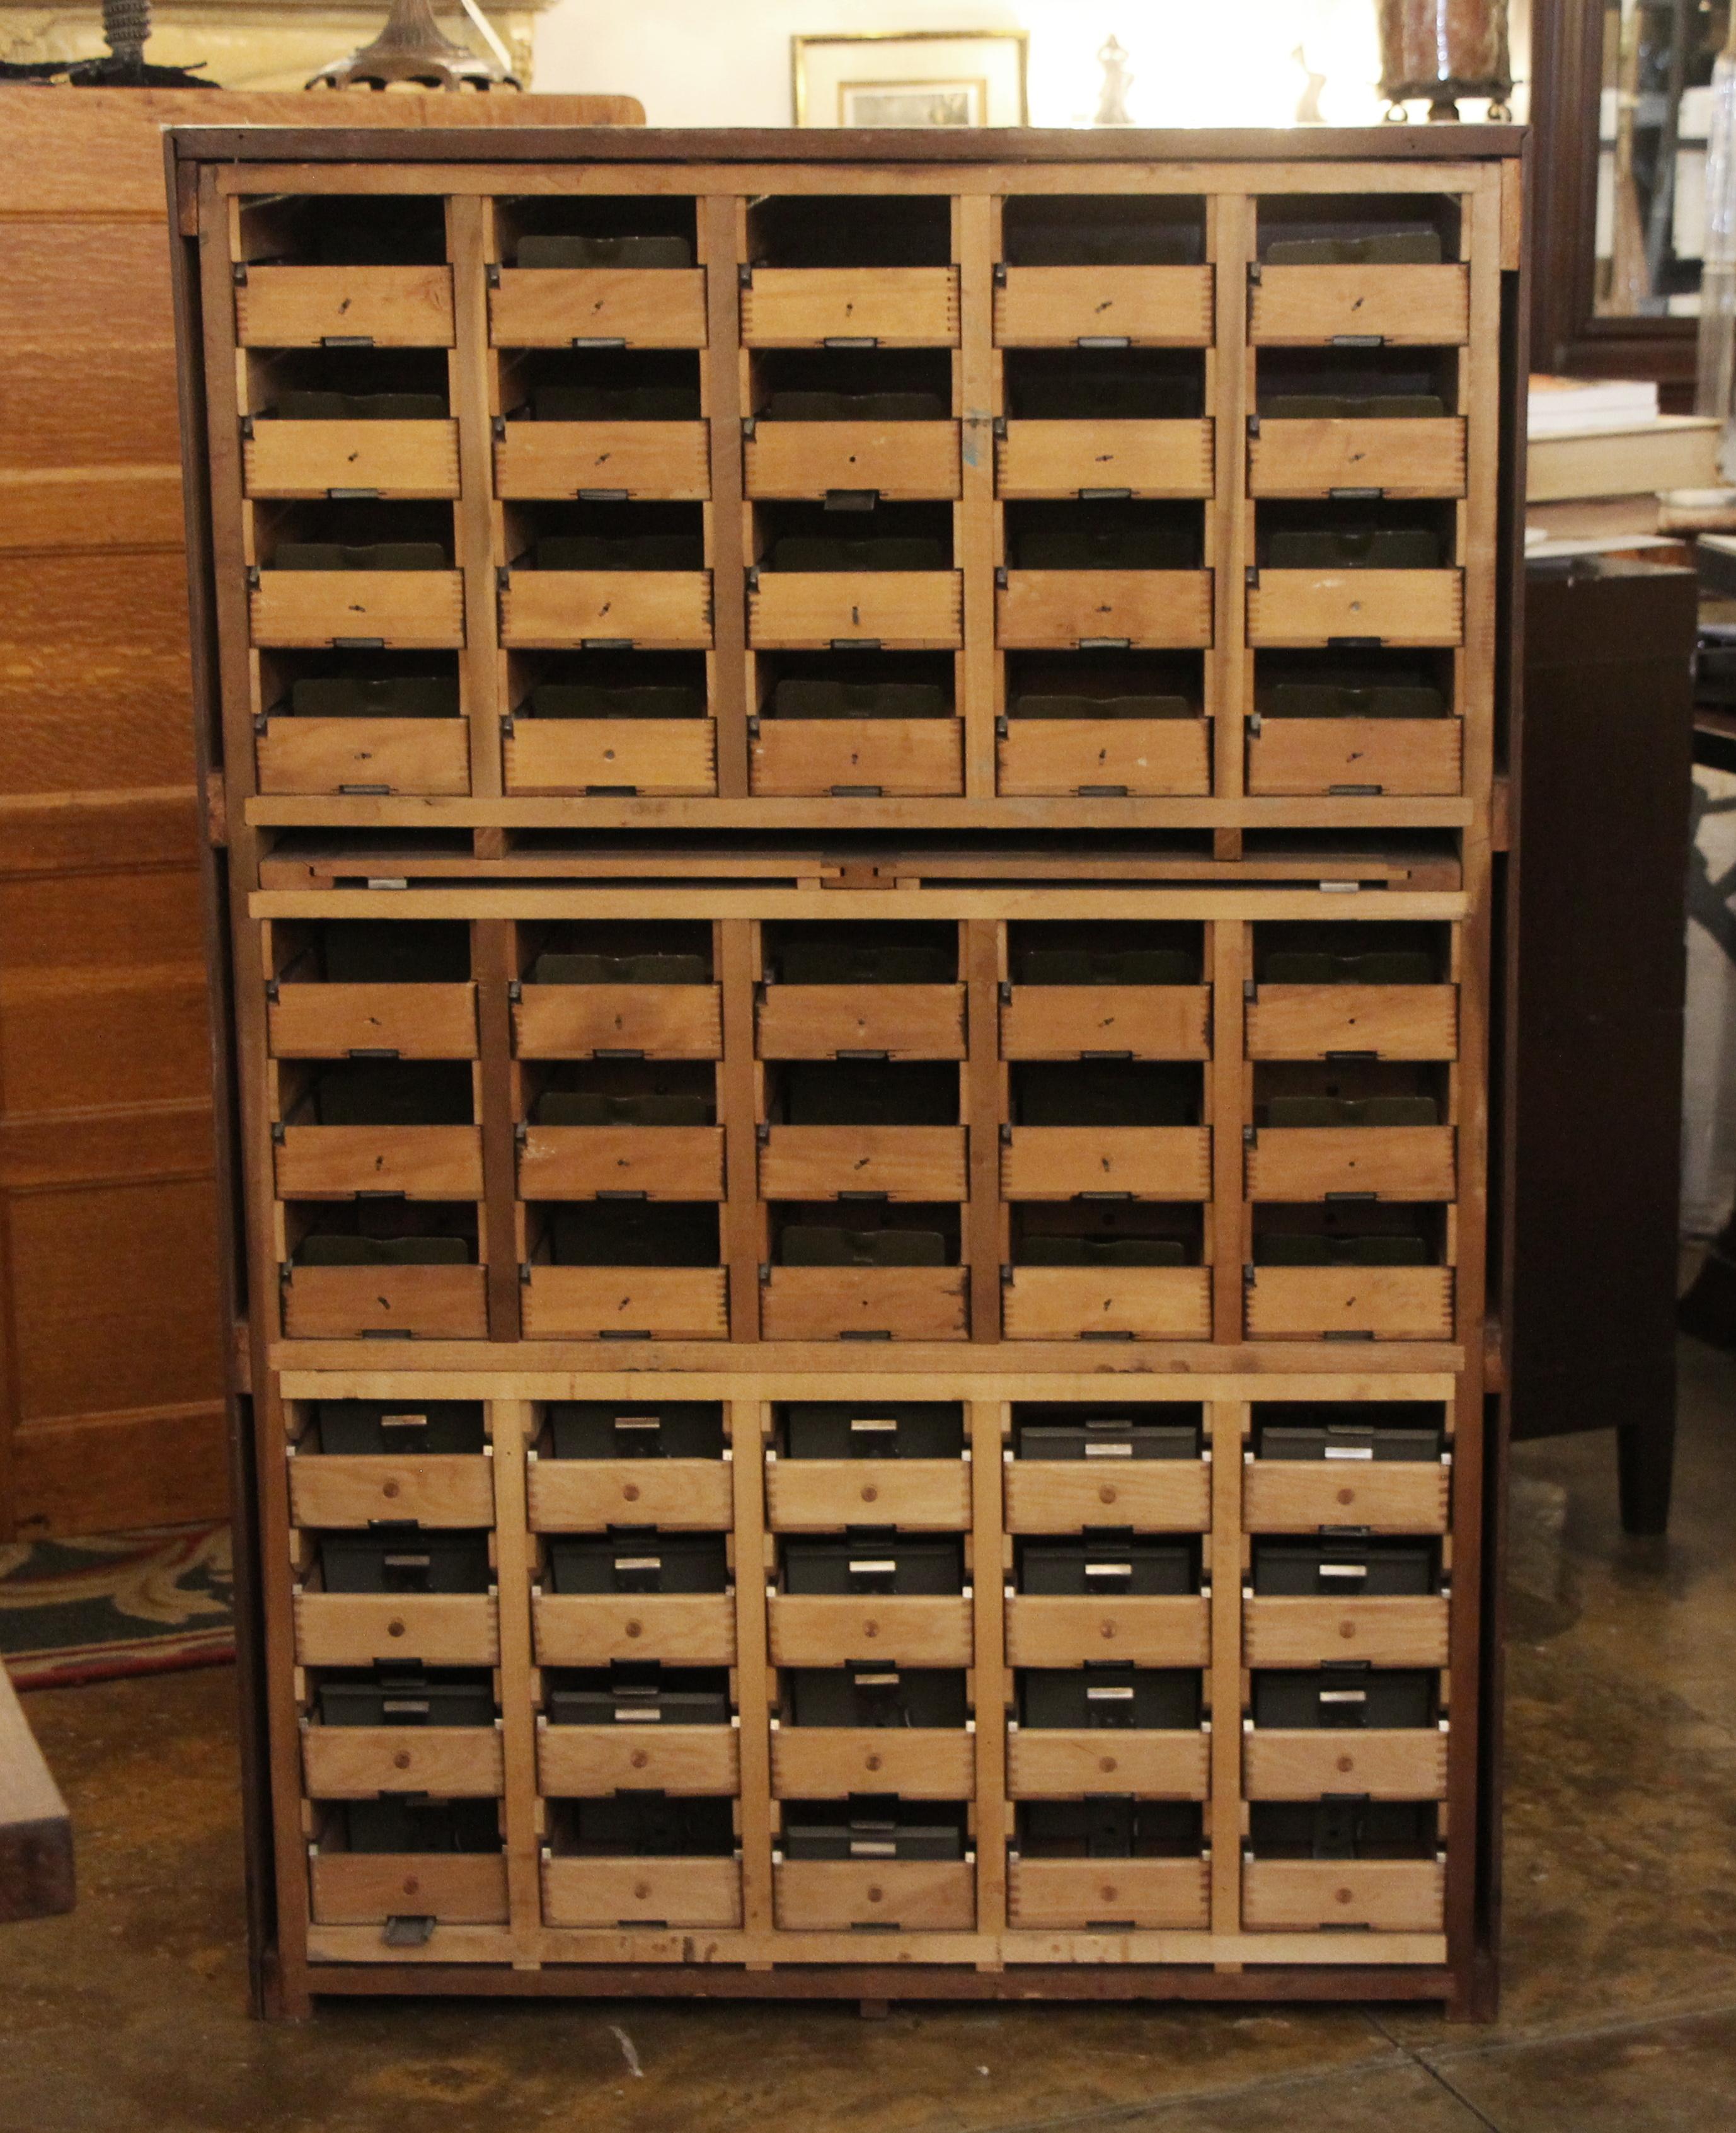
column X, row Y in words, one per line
column 1557, row 406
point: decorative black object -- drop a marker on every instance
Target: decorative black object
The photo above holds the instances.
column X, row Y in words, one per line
column 126, row 30
column 413, row 48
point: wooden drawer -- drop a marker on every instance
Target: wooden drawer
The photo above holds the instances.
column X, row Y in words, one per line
column 1104, row 757
column 811, row 1629
column 345, row 307
column 590, row 1762
column 589, row 1495
column 1400, row 756
column 1055, row 1764
column 1385, row 1021
column 594, row 1630
column 1047, row 1631
column 627, row 1892
column 657, row 1162
column 343, row 459
column 837, row 1303
column 421, row 1163
column 1079, row 1895
column 897, row 460
column 647, row 1021
column 826, row 1495
column 412, row 610
column 1392, row 607
column 1073, row 1162
column 1385, row 1496
column 1305, row 1632
column 656, row 611
column 356, row 1628
column 1039, row 610
column 1090, row 458
column 1072, row 1303
column 832, row 1022
column 434, row 1302
column 412, row 1022
column 904, row 1163
column 597, row 307
column 821, row 1895
column 1419, row 455
column 384, row 756
column 1313, row 1303
column 367, row 1888
column 361, row 1762
column 1306, row 1764
column 870, row 757
column 1316, row 1163
column 666, row 459
column 1104, row 306
column 812, row 610
column 653, row 756
column 1106, row 1021
column 1419, row 306
column 877, row 306
column 831, row 1762
column 441, row 1489
column 1067, row 1495
column 622, row 1303
column 1390, row 1895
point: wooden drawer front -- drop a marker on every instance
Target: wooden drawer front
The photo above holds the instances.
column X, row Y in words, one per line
column 1422, row 456
column 351, row 306
column 1391, row 1895
column 1043, row 1631
column 1071, row 1162
column 678, row 1629
column 809, row 1630
column 1409, row 1765
column 1047, row 1765
column 1067, row 1495
column 593, row 307
column 1390, row 1633
column 442, row 1488
column 1310, row 1303
column 411, row 610
column 355, row 1629
column 819, row 1895
column 1070, row 1304
column 810, row 610
column 1397, row 607
column 589, row 1495
column 361, row 1762
column 1391, row 1022
column 892, row 306
column 633, row 458
column 436, row 1302
column 1106, row 1021
column 1302, row 1496
column 1043, row 610
column 625, row 1892
column 652, row 1022
column 656, row 611
column 830, row 1022
column 1073, row 458
column 898, row 460
column 865, row 756
column 834, row 1304
column 1146, row 306
column 1314, row 1162
column 658, row 1163
column 421, row 1163
column 588, row 1762
column 1075, row 1895
column 375, row 755
column 415, row 1022
column 904, row 1163
column 1105, row 757
column 1415, row 306
column 826, row 1495
column 828, row 1762
column 379, row 459
column 1402, row 756
column 653, row 756
column 658, row 1303
column 367, row 1888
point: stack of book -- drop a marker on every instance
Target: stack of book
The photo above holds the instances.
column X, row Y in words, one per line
column 1599, row 452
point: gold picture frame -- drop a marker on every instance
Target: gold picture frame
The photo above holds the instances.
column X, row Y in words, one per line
column 919, row 78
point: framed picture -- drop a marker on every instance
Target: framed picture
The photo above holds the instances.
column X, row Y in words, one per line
column 912, row 77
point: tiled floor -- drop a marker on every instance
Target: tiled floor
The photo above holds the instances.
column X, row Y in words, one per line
column 1619, row 2010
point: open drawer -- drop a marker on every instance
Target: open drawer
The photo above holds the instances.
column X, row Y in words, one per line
column 829, row 1495
column 852, row 757
column 657, row 1891
column 364, row 1762
column 595, row 1630
column 591, row 1495
column 863, row 1303
column 861, row 1021
column 1375, row 456
column 625, row 1302
column 315, row 458
column 597, row 307
column 310, row 1020
column 439, row 1490
column 1375, row 755
column 1402, row 607
column 601, row 756
column 823, row 1895
column 1051, row 1764
column 1397, row 1631
column 612, row 610
column 1104, row 758
column 432, row 1302
column 1105, row 1022
column 360, row 1628
column 1086, row 1163
column 368, row 1888
column 1399, row 305
column 1411, row 1764
column 1325, row 1163
column 1086, row 1895
column 1103, row 458
column 366, row 755
column 617, row 1021
column 1390, row 1895
column 650, row 1162
column 611, row 460
column 818, row 610
column 412, row 1162
column 1051, row 1630
column 1049, row 610
column 411, row 610
column 1322, row 1303
column 1066, row 1496
column 1103, row 306
column 891, row 460
column 824, row 1630
column 1382, row 1021
column 577, row 1762
column 859, row 306
column 828, row 1162
column 1305, row 1495
column 374, row 306
column 1136, row 1303
column 836, row 1762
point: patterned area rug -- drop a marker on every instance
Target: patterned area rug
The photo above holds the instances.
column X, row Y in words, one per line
column 149, row 1602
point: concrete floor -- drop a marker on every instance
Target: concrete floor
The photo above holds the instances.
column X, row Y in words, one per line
column 1620, row 1960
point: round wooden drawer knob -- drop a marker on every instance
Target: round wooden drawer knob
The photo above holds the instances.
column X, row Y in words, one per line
column 1346, row 1764
column 1347, row 1495
column 389, row 1489
column 875, row 1894
column 871, row 1629
column 642, row 1889
column 1347, row 1629
column 1343, row 1896
column 1106, row 1494
column 400, row 1761
column 874, row 1762
column 631, row 1492
column 412, row 1886
column 640, row 1758
column 635, row 1629
column 871, row 1495
column 395, row 1628
column 1107, row 1631
column 1106, row 1763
